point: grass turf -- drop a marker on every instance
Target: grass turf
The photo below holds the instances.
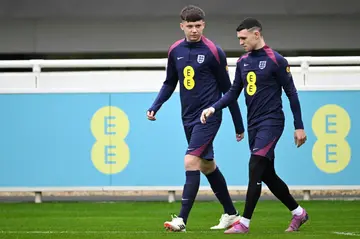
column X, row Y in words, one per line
column 144, row 220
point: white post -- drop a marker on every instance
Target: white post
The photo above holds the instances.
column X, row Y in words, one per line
column 304, row 71
column 38, row 198
column 171, row 198
column 307, row 195
column 36, row 69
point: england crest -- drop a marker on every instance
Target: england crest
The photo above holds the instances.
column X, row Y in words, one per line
column 200, row 59
column 262, row 64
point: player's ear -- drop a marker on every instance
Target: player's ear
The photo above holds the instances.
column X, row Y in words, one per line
column 181, row 26
column 204, row 24
column 257, row 35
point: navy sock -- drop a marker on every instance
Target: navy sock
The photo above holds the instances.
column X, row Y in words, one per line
column 257, row 166
column 190, row 191
column 219, row 187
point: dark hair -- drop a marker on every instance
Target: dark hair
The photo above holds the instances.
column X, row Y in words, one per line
column 249, row 23
column 192, row 13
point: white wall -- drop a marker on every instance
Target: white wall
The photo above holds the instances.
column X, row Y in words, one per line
column 305, row 78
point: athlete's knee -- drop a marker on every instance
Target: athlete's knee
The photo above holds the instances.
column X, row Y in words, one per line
column 192, row 162
column 207, row 166
column 257, row 167
column 269, row 174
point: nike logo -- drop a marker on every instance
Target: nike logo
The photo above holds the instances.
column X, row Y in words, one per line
column 258, row 183
column 246, row 64
column 254, row 149
column 182, row 227
column 180, row 57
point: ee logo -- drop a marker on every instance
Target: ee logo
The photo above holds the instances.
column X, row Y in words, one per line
column 110, row 154
column 331, row 125
column 189, row 73
column 251, row 86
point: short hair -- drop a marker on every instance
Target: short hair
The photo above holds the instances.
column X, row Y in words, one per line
column 192, row 13
column 249, row 24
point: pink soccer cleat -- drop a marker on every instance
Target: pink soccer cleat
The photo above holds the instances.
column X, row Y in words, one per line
column 297, row 221
column 237, row 229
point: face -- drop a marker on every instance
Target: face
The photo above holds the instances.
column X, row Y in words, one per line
column 193, row 30
column 248, row 39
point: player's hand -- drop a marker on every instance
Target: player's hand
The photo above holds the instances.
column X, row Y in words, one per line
column 299, row 137
column 239, row 137
column 206, row 114
column 151, row 115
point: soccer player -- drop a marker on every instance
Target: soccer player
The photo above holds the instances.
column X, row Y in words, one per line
column 263, row 73
column 200, row 66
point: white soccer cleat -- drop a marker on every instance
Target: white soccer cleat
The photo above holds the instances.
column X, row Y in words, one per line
column 175, row 225
column 226, row 221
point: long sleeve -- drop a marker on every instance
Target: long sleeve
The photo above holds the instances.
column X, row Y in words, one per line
column 168, row 87
column 233, row 93
column 225, row 84
column 285, row 79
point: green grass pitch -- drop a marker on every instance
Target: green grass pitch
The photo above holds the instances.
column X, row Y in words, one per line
column 144, row 220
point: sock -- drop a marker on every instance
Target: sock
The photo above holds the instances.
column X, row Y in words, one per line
column 219, row 187
column 252, row 197
column 245, row 221
column 190, row 190
column 297, row 211
column 279, row 188
column 257, row 166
